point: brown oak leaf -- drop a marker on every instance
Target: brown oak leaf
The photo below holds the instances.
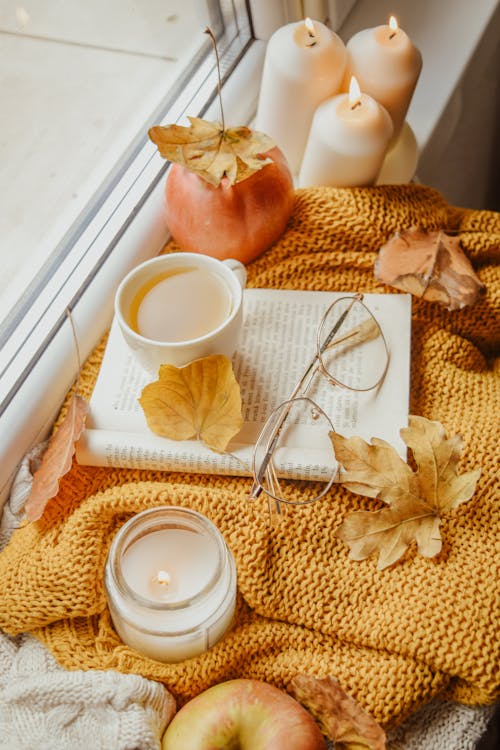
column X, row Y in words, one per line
column 57, row 459
column 431, row 265
column 416, row 500
column 338, row 714
column 213, row 152
column 201, row 400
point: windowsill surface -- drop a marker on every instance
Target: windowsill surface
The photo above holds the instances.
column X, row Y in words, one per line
column 73, row 118
column 136, row 231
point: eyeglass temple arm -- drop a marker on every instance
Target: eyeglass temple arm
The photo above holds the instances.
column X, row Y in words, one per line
column 302, row 386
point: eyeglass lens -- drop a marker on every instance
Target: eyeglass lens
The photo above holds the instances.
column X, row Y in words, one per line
column 355, row 356
column 294, row 459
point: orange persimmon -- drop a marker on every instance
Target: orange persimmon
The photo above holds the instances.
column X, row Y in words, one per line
column 230, row 221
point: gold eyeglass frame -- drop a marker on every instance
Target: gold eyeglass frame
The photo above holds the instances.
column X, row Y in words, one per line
column 358, row 334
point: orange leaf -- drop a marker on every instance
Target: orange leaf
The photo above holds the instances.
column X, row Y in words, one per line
column 338, row 714
column 431, row 265
column 56, row 461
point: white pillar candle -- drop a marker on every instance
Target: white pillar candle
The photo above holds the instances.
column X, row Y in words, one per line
column 386, row 65
column 170, row 583
column 304, row 65
column 400, row 163
column 347, row 143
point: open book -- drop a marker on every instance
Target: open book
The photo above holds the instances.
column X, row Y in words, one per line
column 277, row 342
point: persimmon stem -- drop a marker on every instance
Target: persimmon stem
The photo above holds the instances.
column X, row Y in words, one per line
column 219, row 84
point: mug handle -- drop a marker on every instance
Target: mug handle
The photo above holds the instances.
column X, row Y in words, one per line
column 238, row 268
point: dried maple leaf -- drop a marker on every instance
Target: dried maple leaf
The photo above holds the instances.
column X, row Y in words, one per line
column 416, row 500
column 338, row 714
column 199, row 400
column 213, row 152
column 56, row 461
column 431, row 265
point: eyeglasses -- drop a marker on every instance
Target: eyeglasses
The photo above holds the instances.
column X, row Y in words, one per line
column 294, row 460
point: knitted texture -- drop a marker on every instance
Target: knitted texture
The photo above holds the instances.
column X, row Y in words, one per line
column 43, row 706
column 394, row 638
column 33, row 698
column 441, row 726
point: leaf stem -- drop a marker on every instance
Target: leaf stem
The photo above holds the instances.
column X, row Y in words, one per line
column 219, row 84
column 77, row 348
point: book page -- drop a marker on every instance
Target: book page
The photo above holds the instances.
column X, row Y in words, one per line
column 278, row 341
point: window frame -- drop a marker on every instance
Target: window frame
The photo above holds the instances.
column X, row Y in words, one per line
column 38, row 361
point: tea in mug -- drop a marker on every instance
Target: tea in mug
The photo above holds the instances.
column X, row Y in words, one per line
column 180, row 304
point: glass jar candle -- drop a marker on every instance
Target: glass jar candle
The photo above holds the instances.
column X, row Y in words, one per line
column 170, row 583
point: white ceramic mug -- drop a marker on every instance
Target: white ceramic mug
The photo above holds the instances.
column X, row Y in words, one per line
column 153, row 352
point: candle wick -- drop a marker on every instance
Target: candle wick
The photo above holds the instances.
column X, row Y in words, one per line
column 392, row 35
column 312, row 44
column 162, row 577
column 356, row 104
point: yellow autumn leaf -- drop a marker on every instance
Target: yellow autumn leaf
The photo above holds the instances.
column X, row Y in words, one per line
column 416, row 500
column 369, row 469
column 211, row 151
column 437, row 457
column 201, row 400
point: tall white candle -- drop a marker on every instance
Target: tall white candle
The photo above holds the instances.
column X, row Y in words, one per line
column 347, row 143
column 304, row 65
column 170, row 584
column 386, row 65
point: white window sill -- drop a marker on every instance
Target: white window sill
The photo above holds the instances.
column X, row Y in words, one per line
column 32, row 389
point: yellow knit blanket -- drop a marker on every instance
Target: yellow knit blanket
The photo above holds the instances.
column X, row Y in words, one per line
column 394, row 638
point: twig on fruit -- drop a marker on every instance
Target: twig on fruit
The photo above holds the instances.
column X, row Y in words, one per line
column 219, row 84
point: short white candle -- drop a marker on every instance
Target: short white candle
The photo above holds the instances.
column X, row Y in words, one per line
column 347, row 143
column 387, row 66
column 304, row 65
column 170, row 583
column 170, row 565
column 400, row 163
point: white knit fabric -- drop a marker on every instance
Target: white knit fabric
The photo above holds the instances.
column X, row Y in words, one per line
column 441, row 725
column 14, row 508
column 44, row 707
